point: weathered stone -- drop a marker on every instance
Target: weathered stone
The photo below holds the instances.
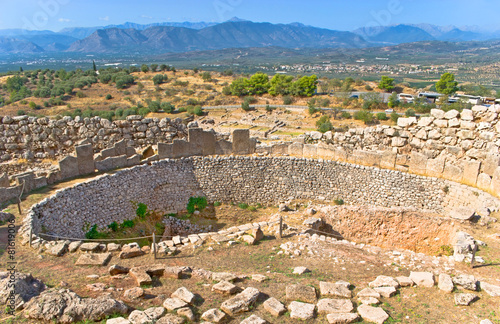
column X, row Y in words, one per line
column 140, row 276
column 223, row 276
column 466, row 281
column 59, row 249
column 26, row 287
column 73, row 246
column 445, row 283
column 254, row 319
column 405, row 281
column 385, row 291
column 85, row 157
column 418, row 163
column 491, row 290
column 495, row 181
column 302, row 293
column 424, row 279
column 471, row 172
column 437, row 113
column 466, row 114
column 333, row 289
column 89, row 247
column 172, row 272
column 184, row 294
column 462, row 213
column 274, row 307
column 113, row 247
column 214, row 315
column 340, row 318
column 301, row 311
column 368, row 292
column 172, row 304
column 242, row 144
column 88, row 259
column 171, row 319
column 464, row 299
column 117, row 269
column 483, row 181
column 369, row 300
column 68, row 167
column 300, row 270
column 130, row 252
column 225, row 287
column 204, row 141
column 373, row 314
column 134, row 293
column 165, row 151
column 259, row 278
column 330, row 306
column 451, row 114
column 118, row 320
column 241, row 302
column 384, row 281
column 187, row 313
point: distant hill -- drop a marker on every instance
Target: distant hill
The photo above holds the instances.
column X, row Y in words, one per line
column 226, row 35
column 12, row 45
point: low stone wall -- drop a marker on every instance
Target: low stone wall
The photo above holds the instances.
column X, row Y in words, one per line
column 167, row 185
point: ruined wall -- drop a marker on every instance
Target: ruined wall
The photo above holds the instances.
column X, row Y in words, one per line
column 167, row 185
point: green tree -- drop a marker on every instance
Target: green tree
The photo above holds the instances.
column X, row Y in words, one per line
column 154, row 67
column 393, row 100
column 447, row 84
column 324, row 124
column 280, row 85
column 94, row 67
column 305, row 86
column 386, row 83
column 144, row 68
column 206, row 76
column 258, row 83
column 159, row 79
column 239, row 87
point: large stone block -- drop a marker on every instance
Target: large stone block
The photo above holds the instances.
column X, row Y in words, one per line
column 471, row 171
column 483, row 181
column 296, row 149
column 388, row 160
column 280, row 149
column 69, row 167
column 495, row 182
column 111, row 163
column 418, row 163
column 435, row 167
column 490, row 164
column 325, row 151
column 452, row 172
column 202, row 141
column 4, row 180
column 310, row 151
column 85, row 157
column 340, row 154
column 223, row 147
column 181, row 148
column 242, row 144
column 165, row 151
column 28, row 178
column 109, row 152
column 368, row 158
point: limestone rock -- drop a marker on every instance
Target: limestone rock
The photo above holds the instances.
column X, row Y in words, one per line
column 405, row 281
column 89, row 247
column 340, row 318
column 368, row 292
column 64, row 306
column 223, row 276
column 373, row 314
column 130, row 252
column 27, row 287
column 368, row 300
column 330, row 306
column 424, row 279
column 491, row 290
column 225, row 287
column 334, row 289
column 259, row 278
column 171, row 319
column 213, row 315
column 118, row 320
column 301, row 292
column 462, row 213
column 174, row 303
column 91, row 259
column 300, row 270
column 134, row 293
column 303, row 311
column 384, row 281
column 117, row 269
column 274, row 307
column 241, row 302
column 466, row 281
column 73, row 246
column 254, row 319
column 184, row 294
column 445, row 283
column 464, row 299
column 187, row 313
column 386, row 291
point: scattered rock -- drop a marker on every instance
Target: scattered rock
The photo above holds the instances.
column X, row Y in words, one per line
column 301, row 292
column 73, row 246
column 340, row 318
column 64, row 306
column 113, row 247
column 187, row 313
column 184, row 294
column 274, row 307
column 171, row 319
column 99, row 286
column 369, row 301
column 462, row 213
column 301, row 311
column 466, row 281
column 140, row 276
column 386, row 291
column 330, row 306
column 424, row 279
column 405, row 281
column 223, row 276
column 300, row 270
column 368, row 292
column 174, row 303
column 130, row 252
column 491, row 290
column 89, row 259
column 172, row 272
column 117, row 269
column 225, row 287
column 464, row 299
column 334, row 289
column 241, row 302
column 384, row 281
column 89, row 247
column 373, row 314
column 445, row 283
column 118, row 320
column 134, row 293
column 59, row 249
column 254, row 319
column 213, row 315
column 27, row 287
column 259, row 277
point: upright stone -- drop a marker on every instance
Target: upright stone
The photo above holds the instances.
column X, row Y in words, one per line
column 242, row 144
column 495, row 182
column 223, row 147
column 388, row 160
column 471, row 172
column 296, row 149
column 121, row 147
column 203, row 141
column 181, row 148
column 85, row 157
column 68, row 167
column 4, row 180
column 165, row 151
column 452, row 172
column 418, row 163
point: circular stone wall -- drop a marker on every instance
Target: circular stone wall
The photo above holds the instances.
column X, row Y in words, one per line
column 167, row 185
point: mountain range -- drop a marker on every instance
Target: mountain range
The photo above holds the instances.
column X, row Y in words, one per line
column 171, row 37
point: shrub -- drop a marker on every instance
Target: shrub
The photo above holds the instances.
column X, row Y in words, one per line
column 217, row 203
column 410, row 113
column 394, row 117
column 243, row 205
column 127, row 224
column 109, row 97
column 113, row 226
column 345, row 115
column 252, row 208
column 21, row 112
column 142, row 211
column 159, row 227
column 287, row 100
column 368, row 88
column 167, row 107
column 382, row 116
column 245, row 106
column 80, row 94
column 196, row 203
column 338, row 202
column 93, row 234
column 32, row 105
column 324, row 124
column 364, row 115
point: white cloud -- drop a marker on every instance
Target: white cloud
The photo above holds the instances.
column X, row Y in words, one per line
column 104, row 18
column 147, row 17
column 64, row 20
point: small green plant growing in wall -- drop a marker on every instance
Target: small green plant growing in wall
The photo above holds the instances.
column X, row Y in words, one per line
column 142, row 211
column 93, row 233
column 127, row 224
column 338, row 201
column 113, row 226
column 196, row 203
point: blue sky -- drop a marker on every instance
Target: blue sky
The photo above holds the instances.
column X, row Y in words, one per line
column 332, row 14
